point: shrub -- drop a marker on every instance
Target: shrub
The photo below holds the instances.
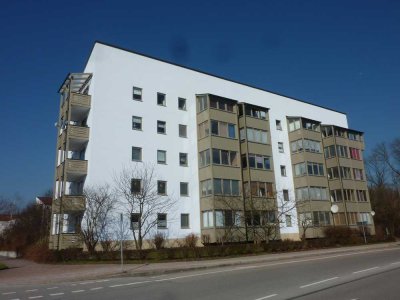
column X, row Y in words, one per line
column 40, row 252
column 191, row 240
column 158, row 240
column 341, row 235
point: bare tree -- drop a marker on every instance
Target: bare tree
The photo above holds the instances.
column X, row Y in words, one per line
column 7, row 206
column 137, row 189
column 100, row 203
column 305, row 222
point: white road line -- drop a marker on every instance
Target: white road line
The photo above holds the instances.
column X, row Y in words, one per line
column 15, row 299
column 266, row 297
column 131, row 283
column 9, row 293
column 365, row 270
column 103, row 280
column 34, row 290
column 77, row 291
column 96, row 288
column 52, row 288
column 57, row 294
column 35, row 297
column 318, row 282
column 86, row 282
column 395, row 263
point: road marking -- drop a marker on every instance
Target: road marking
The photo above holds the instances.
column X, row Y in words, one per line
column 96, row 288
column 266, row 297
column 15, row 299
column 395, row 263
column 365, row 270
column 103, row 280
column 9, row 293
column 34, row 290
column 86, row 282
column 318, row 282
column 77, row 291
column 57, row 294
column 131, row 283
column 35, row 297
column 52, row 288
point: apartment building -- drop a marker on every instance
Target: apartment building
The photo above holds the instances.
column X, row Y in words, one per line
column 230, row 154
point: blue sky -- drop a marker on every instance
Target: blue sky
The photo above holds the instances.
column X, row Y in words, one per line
column 340, row 54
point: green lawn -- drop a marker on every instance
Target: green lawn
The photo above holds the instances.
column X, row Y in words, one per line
column 3, row 266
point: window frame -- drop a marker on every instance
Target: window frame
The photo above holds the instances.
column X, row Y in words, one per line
column 141, row 154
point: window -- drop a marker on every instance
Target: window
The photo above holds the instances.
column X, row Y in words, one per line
column 330, row 151
column 327, row 131
column 137, row 94
column 204, row 158
column 256, row 136
column 228, row 187
column 365, row 218
column 294, row 124
column 220, row 103
column 311, row 193
column 358, row 174
column 161, row 127
column 161, row 99
column 355, row 153
column 182, row 103
column 300, row 169
column 342, row 151
column 206, row 187
column 259, row 189
column 321, row 218
column 202, row 103
column 333, row 173
column 136, row 123
column 184, row 189
column 208, row 219
column 182, row 130
column 310, row 125
column 204, row 129
column 312, row 146
column 288, row 219
column 348, row 195
column 161, row 187
column 184, row 220
column 135, row 219
column 313, row 169
column 283, row 171
column 161, row 221
column 183, row 159
column 223, row 129
column 361, row 195
column 161, row 156
column 278, row 124
column 227, row 218
column 225, row 157
column 336, row 196
column 136, row 154
column 285, row 195
column 136, row 186
column 280, row 147
column 256, row 112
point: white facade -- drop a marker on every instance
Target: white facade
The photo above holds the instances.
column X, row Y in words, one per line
column 116, row 71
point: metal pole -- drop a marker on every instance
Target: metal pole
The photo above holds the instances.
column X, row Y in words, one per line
column 363, row 229
column 122, row 250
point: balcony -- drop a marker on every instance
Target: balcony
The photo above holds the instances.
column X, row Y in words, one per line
column 75, row 169
column 79, row 105
column 70, row 203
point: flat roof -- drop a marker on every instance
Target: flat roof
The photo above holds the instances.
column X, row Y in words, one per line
column 206, row 73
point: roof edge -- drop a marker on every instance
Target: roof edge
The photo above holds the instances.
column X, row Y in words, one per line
column 205, row 73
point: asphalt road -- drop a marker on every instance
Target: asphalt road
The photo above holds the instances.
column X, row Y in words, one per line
column 368, row 274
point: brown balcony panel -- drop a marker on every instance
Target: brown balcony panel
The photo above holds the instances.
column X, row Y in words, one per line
column 80, row 100
column 70, row 203
column 78, row 132
column 76, row 166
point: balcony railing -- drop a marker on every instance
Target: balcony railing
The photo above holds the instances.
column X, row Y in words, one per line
column 78, row 132
column 71, row 203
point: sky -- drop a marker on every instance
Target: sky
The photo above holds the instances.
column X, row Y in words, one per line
column 341, row 54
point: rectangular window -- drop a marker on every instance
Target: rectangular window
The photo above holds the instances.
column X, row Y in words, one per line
column 208, row 219
column 136, row 123
column 182, row 130
column 136, row 186
column 333, row 173
column 300, row 169
column 183, row 159
column 161, row 156
column 136, row 154
column 161, row 221
column 361, row 195
column 255, row 112
column 280, row 147
column 288, row 219
column 327, row 131
column 345, row 172
column 206, row 187
column 228, row 187
column 285, row 195
column 355, row 153
column 184, row 221
column 182, row 103
column 184, row 189
column 315, row 169
column 223, row 129
column 161, row 127
column 204, row 129
column 358, row 174
column 161, row 99
column 336, row 196
column 257, row 162
column 161, row 187
column 278, row 125
column 294, row 124
column 137, row 93
column 202, row 103
column 135, row 219
column 257, row 136
column 283, row 171
column 204, row 158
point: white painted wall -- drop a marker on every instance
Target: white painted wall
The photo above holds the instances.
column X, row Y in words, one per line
column 111, row 137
